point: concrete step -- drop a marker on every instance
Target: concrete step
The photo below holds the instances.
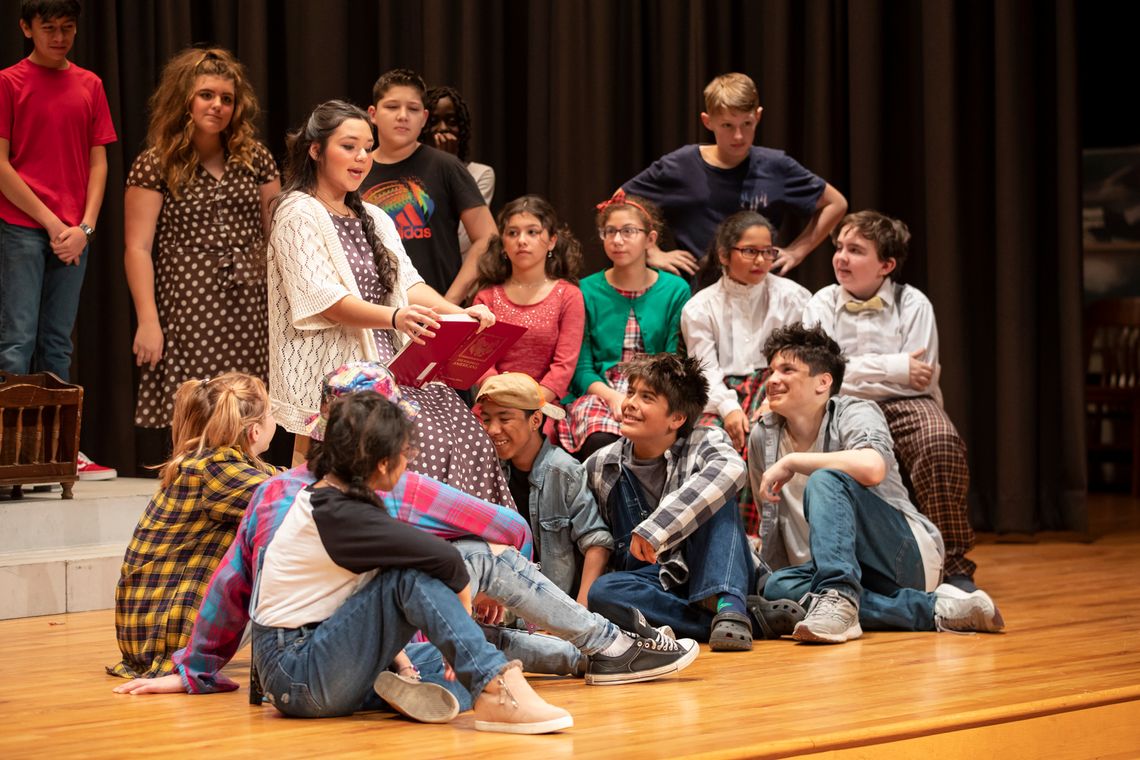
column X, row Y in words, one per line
column 102, row 512
column 60, row 555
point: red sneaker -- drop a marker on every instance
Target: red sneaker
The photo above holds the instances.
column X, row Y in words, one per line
column 88, row 470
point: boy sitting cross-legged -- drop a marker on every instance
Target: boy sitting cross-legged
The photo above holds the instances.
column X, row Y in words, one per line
column 668, row 493
column 888, row 331
column 837, row 524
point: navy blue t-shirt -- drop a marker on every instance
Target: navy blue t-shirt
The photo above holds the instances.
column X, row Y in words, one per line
column 695, row 197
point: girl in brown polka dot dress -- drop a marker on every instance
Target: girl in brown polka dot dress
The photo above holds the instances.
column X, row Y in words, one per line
column 342, row 289
column 203, row 186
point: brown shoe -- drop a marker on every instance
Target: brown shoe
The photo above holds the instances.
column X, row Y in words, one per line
column 509, row 705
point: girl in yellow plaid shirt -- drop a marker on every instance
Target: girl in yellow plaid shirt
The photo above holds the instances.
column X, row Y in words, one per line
column 220, row 428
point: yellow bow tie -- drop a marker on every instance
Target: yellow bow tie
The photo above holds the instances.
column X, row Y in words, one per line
column 871, row 304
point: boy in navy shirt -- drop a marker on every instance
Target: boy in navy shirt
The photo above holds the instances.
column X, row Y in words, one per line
column 697, row 186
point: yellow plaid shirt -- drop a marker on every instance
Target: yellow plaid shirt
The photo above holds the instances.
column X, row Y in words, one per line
column 179, row 541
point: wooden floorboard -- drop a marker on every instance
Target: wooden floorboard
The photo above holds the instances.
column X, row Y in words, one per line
column 1063, row 681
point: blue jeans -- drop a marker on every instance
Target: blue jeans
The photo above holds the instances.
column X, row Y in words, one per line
column 538, row 652
column 327, row 669
column 515, row 582
column 39, row 298
column 717, row 554
column 863, row 548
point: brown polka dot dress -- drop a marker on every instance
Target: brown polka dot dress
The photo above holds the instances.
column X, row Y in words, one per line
column 209, row 279
column 454, row 448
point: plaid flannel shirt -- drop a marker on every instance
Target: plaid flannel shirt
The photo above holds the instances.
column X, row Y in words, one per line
column 702, row 472
column 417, row 500
column 181, row 537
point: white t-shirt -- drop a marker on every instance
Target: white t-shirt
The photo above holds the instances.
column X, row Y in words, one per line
column 796, row 531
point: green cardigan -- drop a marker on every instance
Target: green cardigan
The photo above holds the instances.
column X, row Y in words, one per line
column 658, row 313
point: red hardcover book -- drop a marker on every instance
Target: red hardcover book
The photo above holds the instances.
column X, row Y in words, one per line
column 457, row 355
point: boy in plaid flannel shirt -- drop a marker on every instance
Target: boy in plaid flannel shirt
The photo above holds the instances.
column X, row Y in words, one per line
column 668, row 492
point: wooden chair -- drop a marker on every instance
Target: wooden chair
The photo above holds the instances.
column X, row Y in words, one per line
column 1112, row 385
column 39, row 431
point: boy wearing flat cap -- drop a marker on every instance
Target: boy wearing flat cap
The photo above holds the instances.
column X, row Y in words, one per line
column 571, row 541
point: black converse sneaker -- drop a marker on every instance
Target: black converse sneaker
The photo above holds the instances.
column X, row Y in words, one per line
column 642, row 627
column 646, row 659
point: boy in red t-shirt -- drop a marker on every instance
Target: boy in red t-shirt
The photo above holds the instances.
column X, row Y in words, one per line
column 54, row 124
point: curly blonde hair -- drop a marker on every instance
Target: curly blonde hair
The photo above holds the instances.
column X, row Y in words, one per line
column 171, row 128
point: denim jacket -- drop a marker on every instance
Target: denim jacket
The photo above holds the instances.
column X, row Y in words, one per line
column 849, row 423
column 564, row 517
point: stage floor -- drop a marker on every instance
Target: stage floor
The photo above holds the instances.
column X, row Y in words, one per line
column 1062, row 681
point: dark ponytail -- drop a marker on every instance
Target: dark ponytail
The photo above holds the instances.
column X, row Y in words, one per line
column 364, row 429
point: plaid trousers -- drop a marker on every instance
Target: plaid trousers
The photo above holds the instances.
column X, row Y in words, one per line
column 933, row 456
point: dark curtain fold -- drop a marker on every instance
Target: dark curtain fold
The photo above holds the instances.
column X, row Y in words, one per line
column 958, row 117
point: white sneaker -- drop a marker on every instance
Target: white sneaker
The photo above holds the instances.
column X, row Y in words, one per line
column 88, row 470
column 960, row 611
column 418, row 700
column 831, row 619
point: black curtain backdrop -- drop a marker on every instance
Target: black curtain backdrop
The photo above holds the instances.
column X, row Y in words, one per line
column 958, row 117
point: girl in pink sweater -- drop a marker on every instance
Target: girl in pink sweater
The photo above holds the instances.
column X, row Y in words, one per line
column 529, row 277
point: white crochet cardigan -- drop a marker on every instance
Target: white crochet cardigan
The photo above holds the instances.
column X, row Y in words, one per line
column 308, row 271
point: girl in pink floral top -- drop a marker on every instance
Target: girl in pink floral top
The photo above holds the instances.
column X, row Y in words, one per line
column 529, row 277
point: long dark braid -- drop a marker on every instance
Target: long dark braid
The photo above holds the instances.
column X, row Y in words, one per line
column 301, row 175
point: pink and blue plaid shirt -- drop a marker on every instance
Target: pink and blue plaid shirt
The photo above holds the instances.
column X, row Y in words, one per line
column 418, row 500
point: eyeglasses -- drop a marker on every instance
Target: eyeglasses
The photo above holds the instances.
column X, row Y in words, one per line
column 749, row 253
column 628, row 232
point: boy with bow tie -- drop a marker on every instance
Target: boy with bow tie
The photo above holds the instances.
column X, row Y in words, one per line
column 888, row 331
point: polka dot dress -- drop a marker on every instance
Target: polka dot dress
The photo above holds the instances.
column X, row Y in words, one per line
column 454, row 448
column 209, row 279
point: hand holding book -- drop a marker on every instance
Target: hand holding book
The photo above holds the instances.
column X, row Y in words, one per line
column 415, row 321
column 460, row 351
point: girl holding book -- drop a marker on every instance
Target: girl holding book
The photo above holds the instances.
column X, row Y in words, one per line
column 529, row 277
column 631, row 309
column 342, row 289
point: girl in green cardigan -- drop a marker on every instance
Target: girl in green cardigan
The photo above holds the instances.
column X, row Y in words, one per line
column 630, row 310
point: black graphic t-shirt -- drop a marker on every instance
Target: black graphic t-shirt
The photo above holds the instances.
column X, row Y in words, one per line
column 424, row 195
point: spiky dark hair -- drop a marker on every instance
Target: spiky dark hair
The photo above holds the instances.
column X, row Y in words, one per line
column 810, row 345
column 680, row 380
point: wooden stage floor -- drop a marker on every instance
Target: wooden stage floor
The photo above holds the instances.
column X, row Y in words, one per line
column 1063, row 681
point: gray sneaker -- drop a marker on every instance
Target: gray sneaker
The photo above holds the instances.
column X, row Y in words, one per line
column 831, row 619
column 418, row 700
column 958, row 611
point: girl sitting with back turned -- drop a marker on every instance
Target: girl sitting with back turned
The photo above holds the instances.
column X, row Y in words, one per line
column 221, row 427
column 344, row 586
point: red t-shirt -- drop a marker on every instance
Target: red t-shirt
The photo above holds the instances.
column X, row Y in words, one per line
column 51, row 119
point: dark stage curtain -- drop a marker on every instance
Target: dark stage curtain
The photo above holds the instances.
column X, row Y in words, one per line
column 959, row 117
